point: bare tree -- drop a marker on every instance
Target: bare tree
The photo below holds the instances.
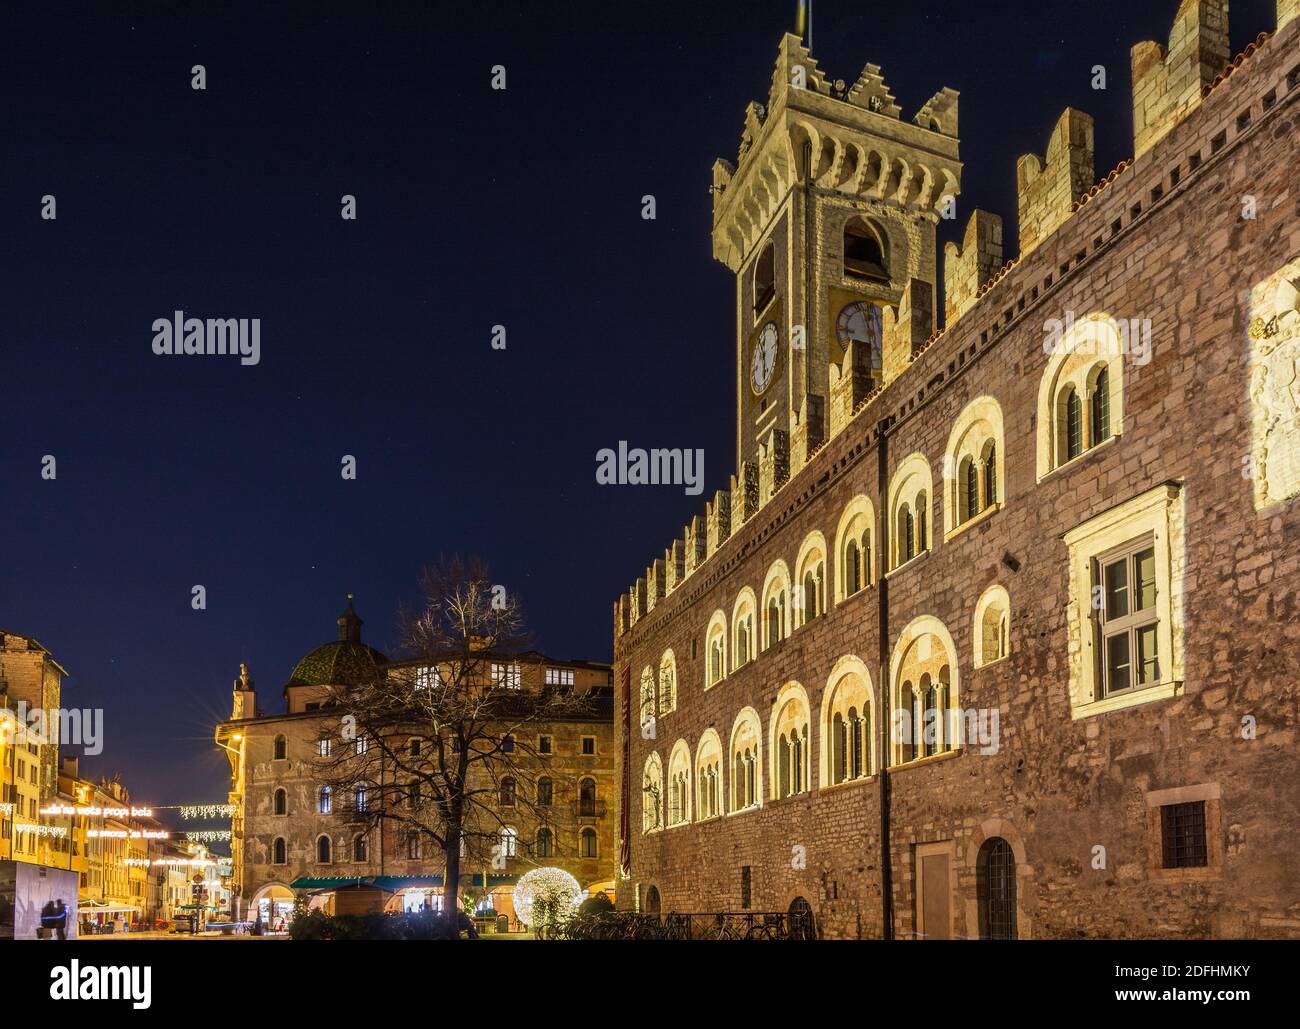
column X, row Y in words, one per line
column 441, row 747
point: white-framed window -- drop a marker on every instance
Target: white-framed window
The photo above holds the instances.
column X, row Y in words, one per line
column 854, row 553
column 743, row 641
column 973, row 464
column 324, row 801
column 1081, row 394
column 776, row 604
column 909, row 510
column 746, row 764
column 509, row 842
column 847, row 740
column 926, row 709
column 992, row 626
column 426, row 677
column 679, row 784
column 506, row 676
column 789, row 742
column 808, row 596
column 559, row 677
column 1127, row 569
column 708, row 775
column 715, row 650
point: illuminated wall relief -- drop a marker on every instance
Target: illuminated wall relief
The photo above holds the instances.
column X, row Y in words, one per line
column 1275, row 386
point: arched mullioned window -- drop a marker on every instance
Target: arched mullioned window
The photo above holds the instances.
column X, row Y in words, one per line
column 545, row 792
column 809, row 601
column 847, row 723
column 281, row 802
column 765, row 278
column 789, row 741
column 746, row 762
column 864, row 251
column 679, row 784
column 776, row 604
column 708, row 776
column 715, row 650
column 853, row 548
column 992, row 626
column 923, row 671
column 281, row 750
column 545, row 843
column 588, row 843
column 667, row 683
column 278, row 852
column 909, row 510
column 972, row 462
column 648, row 701
column 1080, row 397
column 652, row 795
column 743, row 640
column 323, row 850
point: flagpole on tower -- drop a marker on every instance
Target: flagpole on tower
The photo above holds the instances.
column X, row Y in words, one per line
column 803, row 22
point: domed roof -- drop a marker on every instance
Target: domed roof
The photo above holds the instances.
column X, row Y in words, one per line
column 345, row 661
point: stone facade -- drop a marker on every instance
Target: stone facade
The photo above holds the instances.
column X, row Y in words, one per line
column 261, row 768
column 1081, row 795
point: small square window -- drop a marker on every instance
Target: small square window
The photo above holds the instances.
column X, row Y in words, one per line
column 589, row 745
column 1182, row 835
column 543, row 745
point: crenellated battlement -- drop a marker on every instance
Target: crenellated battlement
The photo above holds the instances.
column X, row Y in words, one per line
column 1056, row 192
column 848, row 138
column 1047, row 190
column 1168, row 81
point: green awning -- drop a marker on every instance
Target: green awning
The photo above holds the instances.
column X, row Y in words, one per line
column 337, row 882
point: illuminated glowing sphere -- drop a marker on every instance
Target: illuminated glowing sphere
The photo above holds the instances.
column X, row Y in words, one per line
column 545, row 896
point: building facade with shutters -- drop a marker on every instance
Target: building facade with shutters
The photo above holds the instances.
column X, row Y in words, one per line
column 292, row 830
column 993, row 634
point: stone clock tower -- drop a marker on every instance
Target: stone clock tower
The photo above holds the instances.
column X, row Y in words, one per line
column 828, row 220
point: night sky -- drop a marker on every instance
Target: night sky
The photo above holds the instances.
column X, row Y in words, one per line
column 475, row 208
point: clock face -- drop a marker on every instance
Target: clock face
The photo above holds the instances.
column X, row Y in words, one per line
column 861, row 321
column 762, row 364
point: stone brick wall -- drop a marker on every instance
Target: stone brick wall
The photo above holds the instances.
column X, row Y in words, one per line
column 1161, row 239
